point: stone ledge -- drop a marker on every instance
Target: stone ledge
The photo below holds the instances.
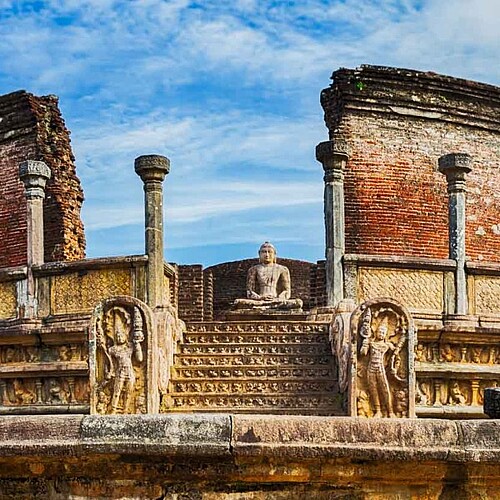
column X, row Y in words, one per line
column 401, row 262
column 245, row 436
column 56, row 268
column 367, row 439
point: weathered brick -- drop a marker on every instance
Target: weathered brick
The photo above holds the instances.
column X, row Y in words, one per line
column 397, row 123
column 32, row 128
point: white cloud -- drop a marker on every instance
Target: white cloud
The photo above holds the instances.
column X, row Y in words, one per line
column 227, row 89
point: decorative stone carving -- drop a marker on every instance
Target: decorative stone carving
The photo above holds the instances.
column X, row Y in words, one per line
column 418, row 289
column 268, row 284
column 120, row 341
column 340, row 339
column 487, row 294
column 382, row 382
column 171, row 330
column 8, row 301
column 34, row 175
column 47, row 391
column 73, row 293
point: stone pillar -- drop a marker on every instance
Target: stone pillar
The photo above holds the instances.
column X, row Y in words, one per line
column 333, row 156
column 455, row 166
column 152, row 169
column 34, row 175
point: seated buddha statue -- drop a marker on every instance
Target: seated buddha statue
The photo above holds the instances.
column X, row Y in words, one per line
column 268, row 284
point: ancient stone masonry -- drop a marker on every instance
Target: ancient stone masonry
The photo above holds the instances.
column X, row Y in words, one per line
column 401, row 320
column 31, row 128
column 396, row 124
column 254, row 366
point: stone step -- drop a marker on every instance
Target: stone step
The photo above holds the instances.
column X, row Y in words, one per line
column 256, row 403
column 252, row 338
column 254, row 367
column 333, row 411
column 209, row 360
column 258, row 372
column 252, row 349
column 249, row 327
column 286, row 386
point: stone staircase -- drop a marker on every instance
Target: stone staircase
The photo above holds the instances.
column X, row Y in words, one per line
column 283, row 367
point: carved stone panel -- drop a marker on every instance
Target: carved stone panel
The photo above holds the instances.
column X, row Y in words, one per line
column 340, row 341
column 46, row 391
column 382, row 382
column 487, row 290
column 120, row 354
column 8, row 300
column 74, row 293
column 418, row 290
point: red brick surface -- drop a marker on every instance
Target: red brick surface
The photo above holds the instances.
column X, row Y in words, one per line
column 32, row 128
column 190, row 292
column 397, row 123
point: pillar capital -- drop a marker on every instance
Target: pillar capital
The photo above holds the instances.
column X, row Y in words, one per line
column 333, row 155
column 455, row 166
column 34, row 175
column 152, row 168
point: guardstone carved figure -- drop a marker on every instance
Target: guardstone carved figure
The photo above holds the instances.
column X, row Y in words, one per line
column 383, row 377
column 268, row 284
column 119, row 368
column 376, row 347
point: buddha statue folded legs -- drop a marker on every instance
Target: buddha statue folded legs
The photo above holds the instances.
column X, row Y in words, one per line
column 268, row 284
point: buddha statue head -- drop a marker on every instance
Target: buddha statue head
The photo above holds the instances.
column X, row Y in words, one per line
column 267, row 253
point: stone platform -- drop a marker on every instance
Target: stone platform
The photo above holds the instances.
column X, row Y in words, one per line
column 237, row 457
column 283, row 367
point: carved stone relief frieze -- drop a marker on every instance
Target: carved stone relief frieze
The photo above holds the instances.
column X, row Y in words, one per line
column 382, row 376
column 433, row 352
column 8, row 300
column 14, row 354
column 120, row 336
column 310, row 402
column 451, row 392
column 51, row 391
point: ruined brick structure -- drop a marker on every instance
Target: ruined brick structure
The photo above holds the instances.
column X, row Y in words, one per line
column 397, row 123
column 32, row 128
column 131, row 377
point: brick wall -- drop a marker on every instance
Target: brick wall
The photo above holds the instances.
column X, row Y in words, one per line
column 32, row 128
column 397, row 124
column 318, row 284
column 190, row 292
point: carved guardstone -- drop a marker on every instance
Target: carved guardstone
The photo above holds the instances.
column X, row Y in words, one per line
column 121, row 358
column 382, row 381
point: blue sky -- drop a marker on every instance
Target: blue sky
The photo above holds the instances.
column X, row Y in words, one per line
column 229, row 91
